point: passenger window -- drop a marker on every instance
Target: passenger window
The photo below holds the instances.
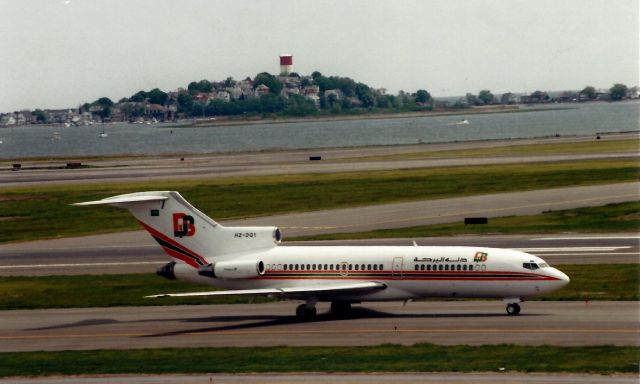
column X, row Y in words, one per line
column 302, row 267
column 297, row 267
column 428, row 267
column 464, row 267
column 313, row 267
column 422, row 267
column 440, row 267
column 459, row 267
column 417, row 267
column 356, row 267
column 285, row 267
column 344, row 267
column 484, row 267
column 350, row 267
column 375, row 267
column 325, row 267
column 368, row 267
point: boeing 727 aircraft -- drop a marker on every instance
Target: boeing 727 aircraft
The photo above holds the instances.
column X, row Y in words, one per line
column 248, row 261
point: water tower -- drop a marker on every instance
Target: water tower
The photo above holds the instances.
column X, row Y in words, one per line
column 286, row 61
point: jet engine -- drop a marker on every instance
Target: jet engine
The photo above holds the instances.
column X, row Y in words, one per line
column 233, row 269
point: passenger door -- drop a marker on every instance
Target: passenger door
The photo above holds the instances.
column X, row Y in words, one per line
column 396, row 268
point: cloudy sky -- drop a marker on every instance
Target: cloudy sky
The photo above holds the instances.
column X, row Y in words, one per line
column 60, row 53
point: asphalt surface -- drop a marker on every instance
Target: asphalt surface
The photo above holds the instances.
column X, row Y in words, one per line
column 274, row 324
column 136, row 252
column 338, row 378
column 283, row 162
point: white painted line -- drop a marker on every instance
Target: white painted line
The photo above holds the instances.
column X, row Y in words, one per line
column 589, row 238
column 78, row 265
column 572, row 249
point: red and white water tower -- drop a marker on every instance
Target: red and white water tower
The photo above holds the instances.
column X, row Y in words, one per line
column 286, row 61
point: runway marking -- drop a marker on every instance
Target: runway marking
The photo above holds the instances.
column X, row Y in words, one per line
column 79, row 265
column 331, row 331
column 588, row 238
column 573, row 249
column 594, row 254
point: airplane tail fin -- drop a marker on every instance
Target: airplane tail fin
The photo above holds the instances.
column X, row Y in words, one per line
column 187, row 234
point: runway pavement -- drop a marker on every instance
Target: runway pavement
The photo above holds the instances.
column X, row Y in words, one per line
column 137, row 252
column 283, row 162
column 65, row 258
column 272, row 324
column 337, row 378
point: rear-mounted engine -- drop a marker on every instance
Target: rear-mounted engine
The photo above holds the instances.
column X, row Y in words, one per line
column 233, row 269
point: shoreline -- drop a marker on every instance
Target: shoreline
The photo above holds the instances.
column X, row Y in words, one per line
column 364, row 116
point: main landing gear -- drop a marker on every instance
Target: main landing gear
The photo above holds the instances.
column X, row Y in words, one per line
column 513, row 309
column 307, row 312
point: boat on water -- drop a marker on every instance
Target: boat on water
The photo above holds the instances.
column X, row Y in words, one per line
column 461, row 122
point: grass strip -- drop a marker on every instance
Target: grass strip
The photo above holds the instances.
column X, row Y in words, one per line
column 588, row 282
column 382, row 358
column 582, row 147
column 44, row 212
column 618, row 217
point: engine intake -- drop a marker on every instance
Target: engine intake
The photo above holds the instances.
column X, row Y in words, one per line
column 167, row 271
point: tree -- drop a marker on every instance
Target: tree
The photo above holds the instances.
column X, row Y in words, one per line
column 139, row 97
column 486, row 96
column 422, row 96
column 104, row 102
column 40, row 115
column 589, row 92
column 156, row 96
column 229, row 82
column 364, row 94
column 269, row 80
column 618, row 91
column 471, row 99
column 185, row 102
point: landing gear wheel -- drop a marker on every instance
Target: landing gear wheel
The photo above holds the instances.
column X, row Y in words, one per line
column 305, row 314
column 341, row 308
column 513, row 309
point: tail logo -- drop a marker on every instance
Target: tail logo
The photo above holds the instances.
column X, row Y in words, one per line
column 183, row 225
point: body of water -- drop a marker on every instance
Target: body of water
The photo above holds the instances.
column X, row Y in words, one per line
column 136, row 139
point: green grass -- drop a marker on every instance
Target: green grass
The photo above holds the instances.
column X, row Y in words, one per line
column 582, row 147
column 44, row 212
column 619, row 217
column 588, row 282
column 382, row 358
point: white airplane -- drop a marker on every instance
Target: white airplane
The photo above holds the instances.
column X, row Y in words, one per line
column 248, row 261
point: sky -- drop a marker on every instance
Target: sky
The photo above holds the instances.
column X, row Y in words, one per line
column 62, row 53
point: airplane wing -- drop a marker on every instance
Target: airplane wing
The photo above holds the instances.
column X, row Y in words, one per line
column 291, row 291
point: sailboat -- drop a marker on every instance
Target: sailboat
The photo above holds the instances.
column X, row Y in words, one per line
column 103, row 135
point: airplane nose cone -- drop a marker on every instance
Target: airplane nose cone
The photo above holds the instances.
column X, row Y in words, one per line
column 564, row 279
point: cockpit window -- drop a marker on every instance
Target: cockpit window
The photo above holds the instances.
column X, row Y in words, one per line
column 532, row 266
column 543, row 265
